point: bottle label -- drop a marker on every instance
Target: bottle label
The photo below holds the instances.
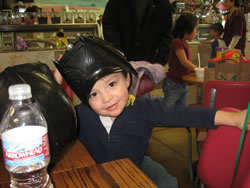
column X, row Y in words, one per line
column 24, row 152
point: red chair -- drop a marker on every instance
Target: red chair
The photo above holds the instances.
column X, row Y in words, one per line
column 66, row 87
column 68, row 90
column 221, row 93
column 145, row 86
column 217, row 160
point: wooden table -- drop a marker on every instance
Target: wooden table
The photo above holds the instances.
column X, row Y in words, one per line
column 119, row 173
column 78, row 169
column 76, row 157
column 192, row 79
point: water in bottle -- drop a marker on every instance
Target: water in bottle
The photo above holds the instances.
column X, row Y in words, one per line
column 24, row 136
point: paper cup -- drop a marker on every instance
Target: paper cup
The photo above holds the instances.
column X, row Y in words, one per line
column 199, row 72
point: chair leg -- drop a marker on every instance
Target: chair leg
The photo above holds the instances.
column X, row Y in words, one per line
column 202, row 185
column 190, row 162
column 199, row 149
column 196, row 181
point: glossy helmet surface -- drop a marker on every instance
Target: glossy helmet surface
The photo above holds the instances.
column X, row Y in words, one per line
column 49, row 97
column 87, row 61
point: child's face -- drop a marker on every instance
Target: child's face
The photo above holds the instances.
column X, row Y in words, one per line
column 192, row 35
column 109, row 96
column 229, row 4
column 213, row 34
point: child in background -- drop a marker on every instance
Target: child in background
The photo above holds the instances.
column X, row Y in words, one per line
column 215, row 32
column 114, row 125
column 179, row 61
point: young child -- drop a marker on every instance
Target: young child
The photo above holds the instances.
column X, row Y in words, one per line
column 113, row 125
column 179, row 60
column 215, row 32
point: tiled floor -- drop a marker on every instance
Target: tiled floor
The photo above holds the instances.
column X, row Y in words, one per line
column 168, row 146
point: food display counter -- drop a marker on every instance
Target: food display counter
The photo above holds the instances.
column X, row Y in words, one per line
column 8, row 33
column 35, row 51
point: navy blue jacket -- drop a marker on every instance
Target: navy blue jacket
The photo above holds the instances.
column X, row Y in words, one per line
column 131, row 131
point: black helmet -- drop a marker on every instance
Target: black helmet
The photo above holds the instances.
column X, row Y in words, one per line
column 90, row 59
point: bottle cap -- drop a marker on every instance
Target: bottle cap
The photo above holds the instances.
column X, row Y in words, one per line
column 20, row 92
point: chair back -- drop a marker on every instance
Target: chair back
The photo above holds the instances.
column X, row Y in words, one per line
column 221, row 93
column 149, row 75
column 66, row 88
column 145, row 86
column 217, row 160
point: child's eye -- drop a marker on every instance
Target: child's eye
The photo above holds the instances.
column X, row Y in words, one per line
column 92, row 95
column 112, row 84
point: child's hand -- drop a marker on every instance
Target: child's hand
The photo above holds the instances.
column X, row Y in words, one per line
column 241, row 120
column 235, row 119
column 206, row 41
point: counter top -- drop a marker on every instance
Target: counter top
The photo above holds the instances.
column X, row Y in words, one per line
column 192, row 79
column 29, row 50
column 197, row 42
column 13, row 58
column 46, row 27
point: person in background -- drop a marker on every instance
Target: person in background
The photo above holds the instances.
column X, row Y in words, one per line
column 60, row 33
column 235, row 26
column 113, row 124
column 223, row 12
column 215, row 32
column 179, row 60
column 38, row 37
column 32, row 18
column 141, row 29
column 19, row 44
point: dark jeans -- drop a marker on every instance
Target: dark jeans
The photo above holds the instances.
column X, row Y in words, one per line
column 175, row 94
column 157, row 173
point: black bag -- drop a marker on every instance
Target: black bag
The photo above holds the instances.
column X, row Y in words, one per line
column 49, row 97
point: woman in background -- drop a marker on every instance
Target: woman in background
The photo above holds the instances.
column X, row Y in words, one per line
column 235, row 27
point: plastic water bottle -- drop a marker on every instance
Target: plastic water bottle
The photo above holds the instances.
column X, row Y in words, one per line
column 24, row 136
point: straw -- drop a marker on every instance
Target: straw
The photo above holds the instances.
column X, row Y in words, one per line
column 199, row 60
column 241, row 142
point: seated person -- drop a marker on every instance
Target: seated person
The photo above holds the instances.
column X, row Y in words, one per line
column 112, row 123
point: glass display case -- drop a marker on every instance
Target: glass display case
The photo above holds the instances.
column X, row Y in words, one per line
column 203, row 32
column 43, row 36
